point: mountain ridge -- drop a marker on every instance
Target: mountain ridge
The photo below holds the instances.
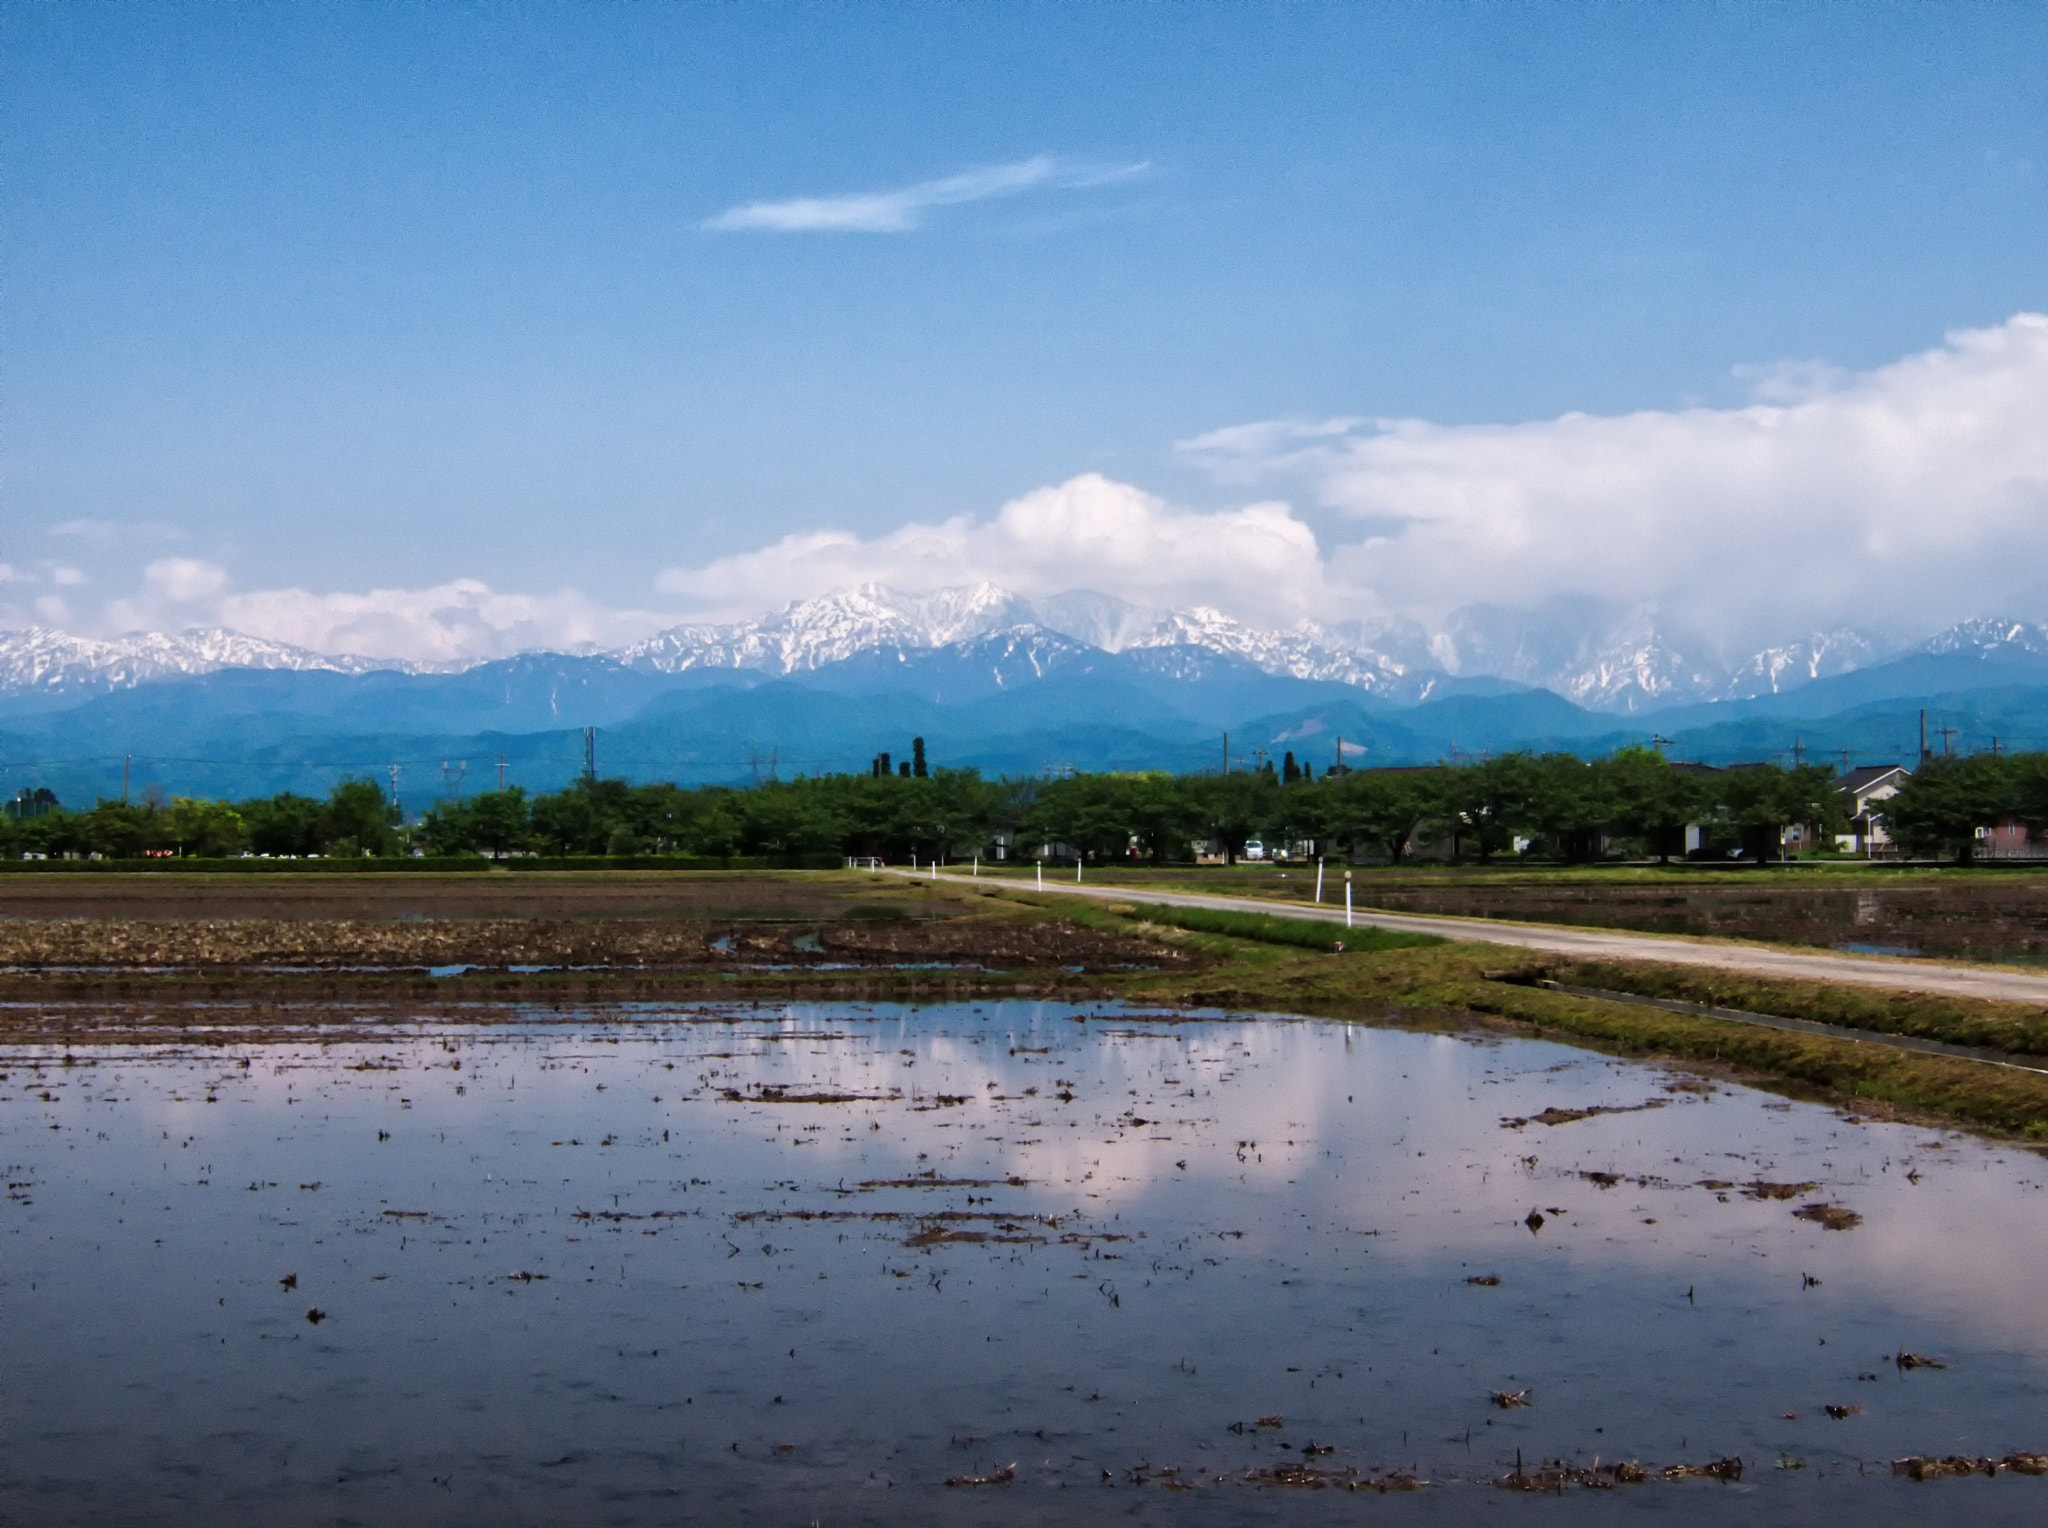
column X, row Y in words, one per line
column 1599, row 655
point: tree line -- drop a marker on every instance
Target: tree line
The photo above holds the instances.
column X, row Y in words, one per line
column 1949, row 800
column 1551, row 806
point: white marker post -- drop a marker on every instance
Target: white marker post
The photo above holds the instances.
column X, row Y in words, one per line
column 1041, row 875
column 1319, row 880
column 935, row 870
column 1347, row 899
column 1077, row 870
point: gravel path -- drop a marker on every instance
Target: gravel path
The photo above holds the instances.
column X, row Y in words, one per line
column 1604, row 944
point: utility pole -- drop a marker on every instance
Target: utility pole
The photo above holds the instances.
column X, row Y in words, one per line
column 501, row 772
column 394, row 793
column 1944, row 733
column 590, row 755
column 126, row 760
column 1923, row 733
column 1340, row 753
column 1798, row 752
column 1226, row 753
column 1659, row 741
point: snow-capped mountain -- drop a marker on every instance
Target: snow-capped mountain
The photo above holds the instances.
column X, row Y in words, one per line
column 39, row 659
column 812, row 633
column 1600, row 655
column 1820, row 656
column 1988, row 637
column 834, row 627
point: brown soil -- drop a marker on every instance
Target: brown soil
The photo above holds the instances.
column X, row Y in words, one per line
column 698, row 923
column 237, row 944
column 220, row 960
column 639, row 896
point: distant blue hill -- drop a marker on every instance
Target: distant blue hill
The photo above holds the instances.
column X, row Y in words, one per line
column 1015, row 703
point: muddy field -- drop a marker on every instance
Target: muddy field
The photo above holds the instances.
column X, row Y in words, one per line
column 743, row 924
column 266, row 944
column 2002, row 918
column 623, row 895
column 991, row 1263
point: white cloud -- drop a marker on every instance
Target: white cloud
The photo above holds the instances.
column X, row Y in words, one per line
column 901, row 210
column 98, row 532
column 1090, row 532
column 182, row 580
column 457, row 621
column 1906, row 496
column 109, row 533
column 1900, row 498
column 460, row 621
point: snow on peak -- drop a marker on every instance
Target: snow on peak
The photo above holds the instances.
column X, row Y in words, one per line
column 38, row 658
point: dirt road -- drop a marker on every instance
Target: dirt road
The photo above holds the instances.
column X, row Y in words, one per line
column 1598, row 944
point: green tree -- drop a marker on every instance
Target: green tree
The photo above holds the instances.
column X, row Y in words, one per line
column 1487, row 805
column 1651, row 800
column 1383, row 808
column 1761, row 800
column 283, row 825
column 1233, row 807
column 205, row 829
column 357, row 820
column 1941, row 808
column 118, row 830
column 572, row 821
column 1570, row 804
column 1095, row 814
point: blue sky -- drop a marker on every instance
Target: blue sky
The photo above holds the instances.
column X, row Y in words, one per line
column 320, row 300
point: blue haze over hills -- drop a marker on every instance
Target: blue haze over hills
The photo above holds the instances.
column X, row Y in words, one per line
column 825, row 686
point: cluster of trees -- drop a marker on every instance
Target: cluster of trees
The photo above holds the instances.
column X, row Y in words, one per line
column 355, row 819
column 1557, row 805
column 1949, row 799
column 1554, row 805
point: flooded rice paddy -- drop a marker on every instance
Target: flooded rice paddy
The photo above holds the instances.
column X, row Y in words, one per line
column 2002, row 919
column 996, row 1262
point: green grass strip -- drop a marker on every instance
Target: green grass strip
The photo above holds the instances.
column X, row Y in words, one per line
column 1266, row 929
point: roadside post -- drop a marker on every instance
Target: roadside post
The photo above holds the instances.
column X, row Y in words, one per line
column 1347, row 899
column 1319, row 880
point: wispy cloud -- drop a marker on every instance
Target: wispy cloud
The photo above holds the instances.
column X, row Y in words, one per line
column 902, row 210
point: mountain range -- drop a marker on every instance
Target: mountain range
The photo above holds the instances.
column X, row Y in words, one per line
column 1594, row 653
column 994, row 680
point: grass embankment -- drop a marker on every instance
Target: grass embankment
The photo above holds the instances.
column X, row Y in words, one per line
column 1447, row 981
column 1263, row 928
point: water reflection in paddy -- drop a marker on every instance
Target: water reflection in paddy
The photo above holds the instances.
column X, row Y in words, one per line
column 809, row 1263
